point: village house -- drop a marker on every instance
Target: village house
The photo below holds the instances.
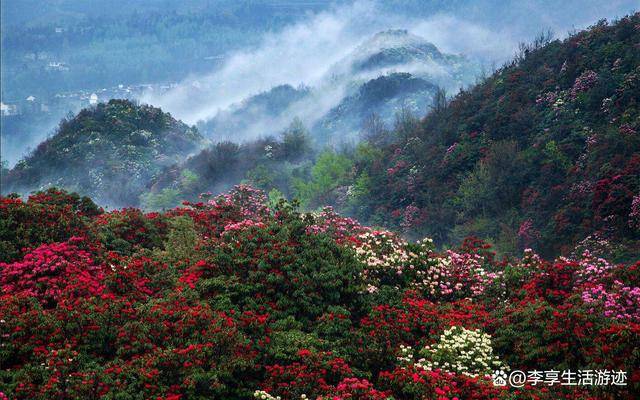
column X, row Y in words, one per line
column 7, row 110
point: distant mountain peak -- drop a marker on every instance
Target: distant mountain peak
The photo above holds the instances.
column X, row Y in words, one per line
column 391, row 48
column 393, row 38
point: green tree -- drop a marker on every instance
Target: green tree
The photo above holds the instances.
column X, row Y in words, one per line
column 330, row 171
column 296, row 142
column 166, row 199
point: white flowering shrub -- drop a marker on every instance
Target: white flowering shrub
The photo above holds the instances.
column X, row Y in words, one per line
column 454, row 276
column 262, row 395
column 462, row 351
column 385, row 258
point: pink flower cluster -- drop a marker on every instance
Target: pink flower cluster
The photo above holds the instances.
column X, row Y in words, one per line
column 341, row 228
column 242, row 225
column 526, row 231
column 627, row 130
column 634, row 215
column 547, row 98
column 620, row 302
column 252, row 202
column 456, row 275
column 354, row 388
column 411, row 217
column 399, row 165
column 584, row 82
column 469, row 267
column 451, row 149
column 592, row 269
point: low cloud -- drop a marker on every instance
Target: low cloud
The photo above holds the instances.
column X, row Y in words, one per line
column 307, row 51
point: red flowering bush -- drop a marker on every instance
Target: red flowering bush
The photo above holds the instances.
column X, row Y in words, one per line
column 313, row 375
column 52, row 272
column 46, row 217
column 129, row 229
column 229, row 299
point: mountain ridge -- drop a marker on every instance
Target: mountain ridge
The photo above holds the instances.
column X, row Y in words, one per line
column 109, row 151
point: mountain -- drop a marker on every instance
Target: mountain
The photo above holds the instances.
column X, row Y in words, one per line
column 110, row 151
column 239, row 119
column 545, row 153
column 384, row 96
column 399, row 49
column 391, row 71
column 391, row 48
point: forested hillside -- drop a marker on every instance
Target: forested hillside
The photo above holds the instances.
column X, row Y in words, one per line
column 545, row 153
column 110, row 152
column 542, row 154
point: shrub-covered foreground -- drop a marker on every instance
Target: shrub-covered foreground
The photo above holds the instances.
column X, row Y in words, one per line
column 235, row 298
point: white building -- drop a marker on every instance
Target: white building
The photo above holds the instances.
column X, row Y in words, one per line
column 8, row 109
column 56, row 66
column 93, row 99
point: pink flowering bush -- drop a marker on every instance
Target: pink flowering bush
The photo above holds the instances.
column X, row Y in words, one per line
column 620, row 301
column 583, row 83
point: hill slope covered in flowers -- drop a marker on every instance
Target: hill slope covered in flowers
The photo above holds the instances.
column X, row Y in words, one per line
column 544, row 153
column 234, row 297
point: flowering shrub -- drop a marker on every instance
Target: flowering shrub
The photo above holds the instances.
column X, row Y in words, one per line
column 583, row 83
column 51, row 269
column 313, row 375
column 341, row 228
column 384, row 256
column 634, row 215
column 232, row 299
column 46, row 217
column 456, row 276
column 126, row 230
column 462, row 351
column 621, row 302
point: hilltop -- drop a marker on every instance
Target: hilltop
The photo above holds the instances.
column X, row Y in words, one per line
column 388, row 72
column 253, row 116
column 109, row 152
column 384, row 97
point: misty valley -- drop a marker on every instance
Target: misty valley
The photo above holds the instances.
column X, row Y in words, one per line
column 320, row 200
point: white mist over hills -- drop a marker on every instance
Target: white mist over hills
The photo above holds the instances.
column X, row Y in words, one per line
column 333, row 52
column 348, row 91
column 316, row 52
column 314, row 45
